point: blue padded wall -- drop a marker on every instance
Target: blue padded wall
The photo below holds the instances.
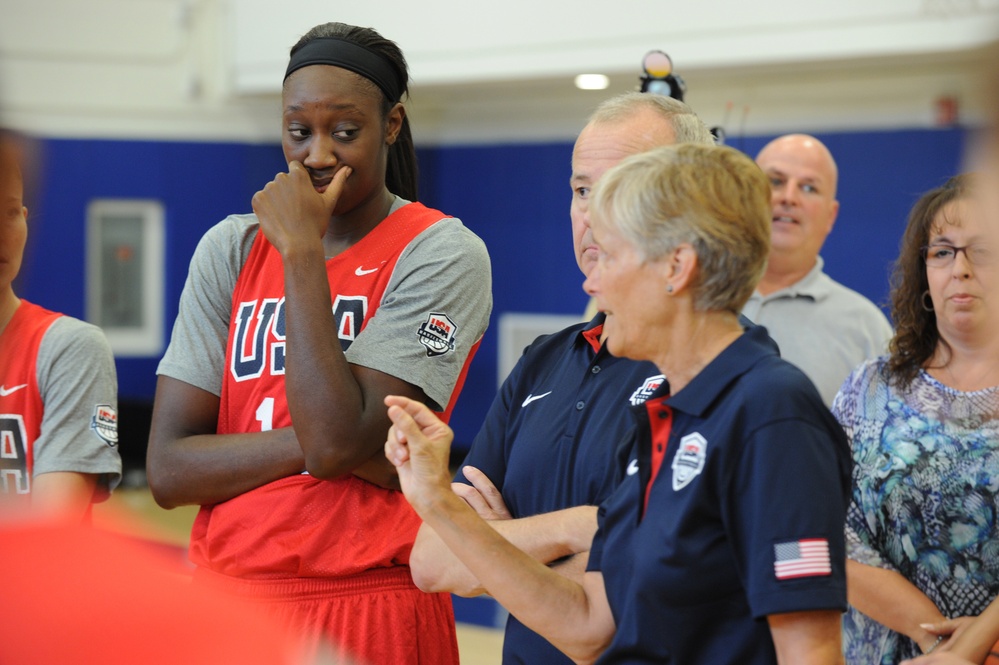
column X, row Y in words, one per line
column 197, row 183
column 515, row 197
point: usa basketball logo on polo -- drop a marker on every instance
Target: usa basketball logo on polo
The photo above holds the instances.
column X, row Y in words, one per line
column 689, row 460
column 437, row 334
column 650, row 385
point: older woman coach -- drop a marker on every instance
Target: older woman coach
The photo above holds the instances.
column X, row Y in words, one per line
column 725, row 544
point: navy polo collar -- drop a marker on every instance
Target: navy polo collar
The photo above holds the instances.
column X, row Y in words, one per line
column 588, row 332
column 735, row 360
column 597, row 320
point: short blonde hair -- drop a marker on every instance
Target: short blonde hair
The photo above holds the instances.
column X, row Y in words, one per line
column 712, row 197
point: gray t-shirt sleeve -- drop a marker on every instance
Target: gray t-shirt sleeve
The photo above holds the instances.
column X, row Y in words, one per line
column 196, row 353
column 79, row 388
column 444, row 271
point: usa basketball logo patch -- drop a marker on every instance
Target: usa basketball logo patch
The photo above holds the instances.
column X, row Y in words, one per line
column 650, row 385
column 105, row 424
column 437, row 334
column 689, row 460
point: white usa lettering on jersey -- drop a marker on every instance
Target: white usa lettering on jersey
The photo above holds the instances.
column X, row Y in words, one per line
column 259, row 338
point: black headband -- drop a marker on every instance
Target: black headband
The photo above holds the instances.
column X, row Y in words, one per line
column 356, row 58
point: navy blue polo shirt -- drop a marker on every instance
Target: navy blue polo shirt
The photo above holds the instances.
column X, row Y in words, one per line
column 555, row 437
column 744, row 519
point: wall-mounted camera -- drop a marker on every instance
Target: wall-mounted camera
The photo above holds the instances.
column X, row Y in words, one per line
column 659, row 78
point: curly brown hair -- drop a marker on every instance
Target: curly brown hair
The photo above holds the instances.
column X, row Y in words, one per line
column 916, row 335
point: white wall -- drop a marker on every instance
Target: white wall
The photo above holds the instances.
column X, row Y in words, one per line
column 125, row 69
column 489, row 71
column 458, row 41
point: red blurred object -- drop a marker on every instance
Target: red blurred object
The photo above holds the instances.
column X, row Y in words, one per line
column 993, row 657
column 946, row 111
column 76, row 594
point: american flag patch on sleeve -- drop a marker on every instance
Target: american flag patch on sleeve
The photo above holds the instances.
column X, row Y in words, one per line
column 802, row 558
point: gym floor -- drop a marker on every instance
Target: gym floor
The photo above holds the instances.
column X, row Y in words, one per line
column 135, row 508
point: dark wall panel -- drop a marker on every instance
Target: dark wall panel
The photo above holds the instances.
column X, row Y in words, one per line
column 197, row 183
column 516, row 198
column 881, row 174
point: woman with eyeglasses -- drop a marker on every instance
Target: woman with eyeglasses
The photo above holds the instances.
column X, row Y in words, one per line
column 923, row 421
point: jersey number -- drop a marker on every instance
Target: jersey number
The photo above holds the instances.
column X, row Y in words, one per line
column 265, row 414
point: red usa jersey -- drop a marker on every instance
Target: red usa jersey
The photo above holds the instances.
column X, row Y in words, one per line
column 21, row 407
column 301, row 526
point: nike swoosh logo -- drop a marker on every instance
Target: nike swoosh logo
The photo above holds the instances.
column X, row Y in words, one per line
column 361, row 272
column 4, row 391
column 632, row 467
column 531, row 398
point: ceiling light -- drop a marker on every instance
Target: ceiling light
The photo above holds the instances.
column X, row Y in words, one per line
column 592, row 82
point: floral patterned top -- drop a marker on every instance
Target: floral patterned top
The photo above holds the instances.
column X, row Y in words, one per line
column 925, row 497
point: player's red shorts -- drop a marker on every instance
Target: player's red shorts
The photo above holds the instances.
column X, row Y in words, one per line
column 376, row 618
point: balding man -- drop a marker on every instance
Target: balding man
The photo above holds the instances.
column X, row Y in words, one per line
column 820, row 325
column 547, row 453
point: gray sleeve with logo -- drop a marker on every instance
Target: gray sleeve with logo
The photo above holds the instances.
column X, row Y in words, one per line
column 79, row 387
column 442, row 277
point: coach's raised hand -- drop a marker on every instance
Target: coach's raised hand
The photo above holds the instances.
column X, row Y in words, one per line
column 419, row 445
